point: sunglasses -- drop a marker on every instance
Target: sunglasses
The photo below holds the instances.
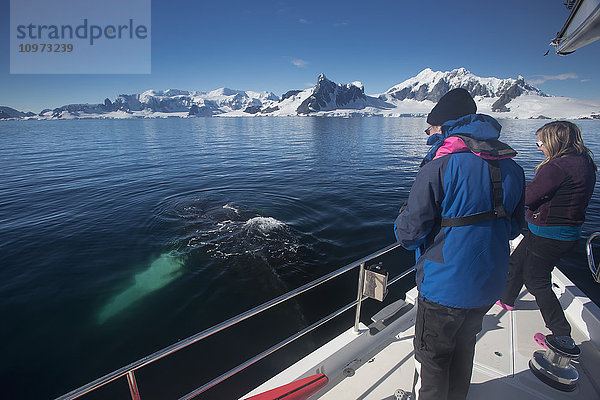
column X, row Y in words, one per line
column 428, row 131
column 539, row 144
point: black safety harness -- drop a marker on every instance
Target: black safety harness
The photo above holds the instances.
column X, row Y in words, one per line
column 495, row 148
column 498, row 211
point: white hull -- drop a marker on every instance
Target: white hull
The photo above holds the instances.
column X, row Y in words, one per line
column 383, row 363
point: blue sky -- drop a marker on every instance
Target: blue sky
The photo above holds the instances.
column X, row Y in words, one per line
column 284, row 45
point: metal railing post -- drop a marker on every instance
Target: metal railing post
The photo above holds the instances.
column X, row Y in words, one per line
column 361, row 284
column 133, row 389
column 595, row 269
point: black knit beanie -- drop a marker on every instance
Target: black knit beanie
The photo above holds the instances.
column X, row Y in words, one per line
column 453, row 105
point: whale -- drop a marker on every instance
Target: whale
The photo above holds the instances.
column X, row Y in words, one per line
column 162, row 271
column 220, row 234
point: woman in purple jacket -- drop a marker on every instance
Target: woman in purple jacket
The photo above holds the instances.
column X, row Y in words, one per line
column 557, row 198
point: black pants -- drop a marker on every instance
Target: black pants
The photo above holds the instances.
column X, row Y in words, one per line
column 531, row 264
column 444, row 349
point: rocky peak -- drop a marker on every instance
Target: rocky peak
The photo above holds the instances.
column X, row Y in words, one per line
column 324, row 86
column 327, row 95
column 7, row 112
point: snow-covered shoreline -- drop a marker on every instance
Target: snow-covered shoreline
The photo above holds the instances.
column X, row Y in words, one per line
column 508, row 98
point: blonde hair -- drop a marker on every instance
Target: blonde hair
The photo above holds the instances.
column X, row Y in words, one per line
column 561, row 138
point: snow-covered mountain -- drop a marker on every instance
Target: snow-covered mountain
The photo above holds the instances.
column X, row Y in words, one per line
column 416, row 96
column 11, row 113
column 432, row 85
column 328, row 95
column 159, row 103
column 326, row 98
column 502, row 98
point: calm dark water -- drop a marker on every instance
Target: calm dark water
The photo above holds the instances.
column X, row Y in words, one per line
column 118, row 238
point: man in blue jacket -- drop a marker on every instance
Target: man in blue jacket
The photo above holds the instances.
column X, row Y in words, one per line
column 465, row 205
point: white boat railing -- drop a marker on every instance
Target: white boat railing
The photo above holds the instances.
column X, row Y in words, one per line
column 128, row 371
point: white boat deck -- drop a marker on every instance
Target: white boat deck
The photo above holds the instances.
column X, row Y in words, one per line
column 503, row 351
